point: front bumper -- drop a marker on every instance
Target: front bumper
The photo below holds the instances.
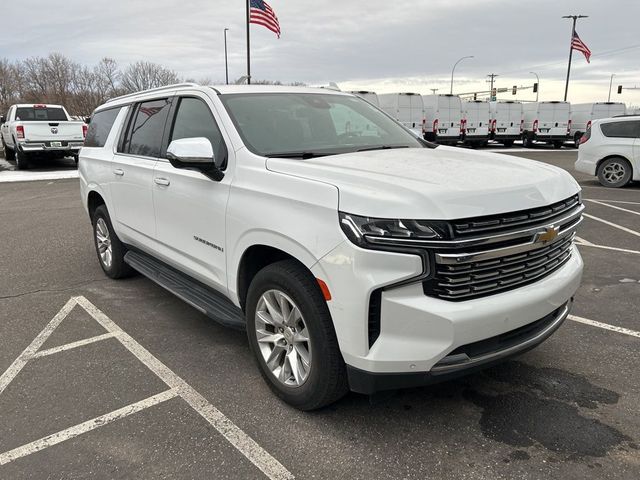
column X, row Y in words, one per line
column 417, row 331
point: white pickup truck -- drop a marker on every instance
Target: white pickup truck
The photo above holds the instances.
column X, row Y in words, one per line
column 40, row 130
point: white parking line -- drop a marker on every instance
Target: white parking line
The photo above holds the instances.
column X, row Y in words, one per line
column 85, row 427
column 248, row 447
column 69, row 346
column 19, row 363
column 613, row 206
column 21, row 176
column 604, row 247
column 615, row 225
column 612, row 201
column 606, row 326
column 245, row 444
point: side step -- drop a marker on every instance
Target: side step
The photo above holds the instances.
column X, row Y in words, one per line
column 208, row 301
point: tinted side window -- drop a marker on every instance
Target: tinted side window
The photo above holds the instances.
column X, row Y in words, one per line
column 100, row 127
column 194, row 119
column 147, row 127
column 621, row 129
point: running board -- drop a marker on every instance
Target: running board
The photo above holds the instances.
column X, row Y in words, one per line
column 202, row 298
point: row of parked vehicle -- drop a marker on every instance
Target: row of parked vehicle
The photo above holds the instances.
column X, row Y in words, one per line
column 448, row 119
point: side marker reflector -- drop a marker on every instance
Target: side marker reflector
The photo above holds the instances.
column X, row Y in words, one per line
column 325, row 289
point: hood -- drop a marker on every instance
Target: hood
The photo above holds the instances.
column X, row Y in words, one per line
column 444, row 183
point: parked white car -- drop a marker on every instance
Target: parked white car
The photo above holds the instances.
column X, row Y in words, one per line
column 476, row 122
column 362, row 262
column 443, row 118
column 610, row 150
column 506, row 122
column 39, row 129
column 583, row 114
column 546, row 122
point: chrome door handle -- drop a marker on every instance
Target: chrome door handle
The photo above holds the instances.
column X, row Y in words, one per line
column 162, row 181
column 119, row 172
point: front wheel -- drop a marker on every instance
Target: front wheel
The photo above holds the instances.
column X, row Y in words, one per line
column 109, row 248
column 614, row 172
column 292, row 337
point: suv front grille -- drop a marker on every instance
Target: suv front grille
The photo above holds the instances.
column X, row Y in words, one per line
column 495, row 224
column 464, row 281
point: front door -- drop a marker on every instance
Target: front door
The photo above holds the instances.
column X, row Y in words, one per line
column 190, row 207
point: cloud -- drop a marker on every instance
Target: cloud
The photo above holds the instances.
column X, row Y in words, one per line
column 382, row 44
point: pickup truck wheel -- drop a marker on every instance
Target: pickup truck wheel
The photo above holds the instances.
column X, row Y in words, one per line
column 614, row 172
column 291, row 335
column 22, row 160
column 109, row 248
column 8, row 153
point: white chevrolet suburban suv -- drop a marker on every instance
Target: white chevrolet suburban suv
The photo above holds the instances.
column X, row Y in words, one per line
column 40, row 130
column 356, row 255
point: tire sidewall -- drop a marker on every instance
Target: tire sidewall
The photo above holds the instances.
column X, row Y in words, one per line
column 119, row 268
column 625, row 180
column 272, row 279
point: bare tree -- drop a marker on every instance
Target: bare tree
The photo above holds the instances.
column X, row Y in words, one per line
column 145, row 75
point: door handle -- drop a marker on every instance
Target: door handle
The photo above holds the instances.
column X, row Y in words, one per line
column 119, row 172
column 162, row 181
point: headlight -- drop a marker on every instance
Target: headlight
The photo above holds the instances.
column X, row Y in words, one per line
column 366, row 231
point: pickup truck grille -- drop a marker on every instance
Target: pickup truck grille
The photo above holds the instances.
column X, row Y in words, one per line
column 497, row 223
column 504, row 252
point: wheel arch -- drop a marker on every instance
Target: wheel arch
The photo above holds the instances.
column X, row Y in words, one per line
column 614, row 155
column 94, row 200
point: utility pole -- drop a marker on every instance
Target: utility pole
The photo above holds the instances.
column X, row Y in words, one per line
column 573, row 32
column 492, row 77
column 610, row 83
column 226, row 61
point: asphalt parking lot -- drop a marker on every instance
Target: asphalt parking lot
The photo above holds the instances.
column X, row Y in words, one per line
column 120, row 379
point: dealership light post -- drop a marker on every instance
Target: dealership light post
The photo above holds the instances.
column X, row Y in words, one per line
column 538, row 81
column 226, row 61
column 573, row 31
column 610, row 84
column 454, row 69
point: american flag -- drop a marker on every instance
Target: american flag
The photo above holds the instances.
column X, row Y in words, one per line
column 263, row 14
column 579, row 45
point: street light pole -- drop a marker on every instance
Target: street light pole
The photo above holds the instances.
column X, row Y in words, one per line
column 226, row 61
column 454, row 69
column 573, row 31
column 538, row 81
column 610, row 83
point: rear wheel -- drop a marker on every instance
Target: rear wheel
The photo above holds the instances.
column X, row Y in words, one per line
column 558, row 144
column 614, row 172
column 22, row 160
column 576, row 139
column 292, row 337
column 527, row 141
column 508, row 143
column 109, row 248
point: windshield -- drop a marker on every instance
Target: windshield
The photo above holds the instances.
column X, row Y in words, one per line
column 311, row 124
column 40, row 114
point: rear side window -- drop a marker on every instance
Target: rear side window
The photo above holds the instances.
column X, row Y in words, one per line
column 41, row 114
column 100, row 127
column 621, row 129
column 194, row 119
column 147, row 127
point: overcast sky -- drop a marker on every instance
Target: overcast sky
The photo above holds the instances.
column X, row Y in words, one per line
column 378, row 44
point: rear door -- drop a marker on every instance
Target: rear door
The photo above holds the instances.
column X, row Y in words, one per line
column 190, row 207
column 132, row 172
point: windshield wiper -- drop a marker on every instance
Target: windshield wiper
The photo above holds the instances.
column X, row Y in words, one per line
column 302, row 155
column 382, row 147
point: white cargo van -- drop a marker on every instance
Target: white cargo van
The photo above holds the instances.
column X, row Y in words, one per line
column 371, row 97
column 506, row 122
column 405, row 107
column 476, row 122
column 546, row 122
column 443, row 118
column 582, row 114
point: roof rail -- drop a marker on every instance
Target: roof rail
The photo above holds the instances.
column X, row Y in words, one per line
column 151, row 90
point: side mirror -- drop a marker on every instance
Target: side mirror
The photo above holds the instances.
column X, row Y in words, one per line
column 194, row 153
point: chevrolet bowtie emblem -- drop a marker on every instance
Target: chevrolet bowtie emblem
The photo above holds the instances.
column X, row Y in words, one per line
column 549, row 234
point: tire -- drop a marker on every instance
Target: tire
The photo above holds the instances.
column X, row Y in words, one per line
column 325, row 379
column 576, row 139
column 8, row 153
column 614, row 172
column 508, row 143
column 558, row 144
column 22, row 160
column 104, row 237
column 527, row 141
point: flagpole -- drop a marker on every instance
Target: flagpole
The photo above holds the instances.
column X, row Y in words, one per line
column 248, row 5
column 573, row 32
